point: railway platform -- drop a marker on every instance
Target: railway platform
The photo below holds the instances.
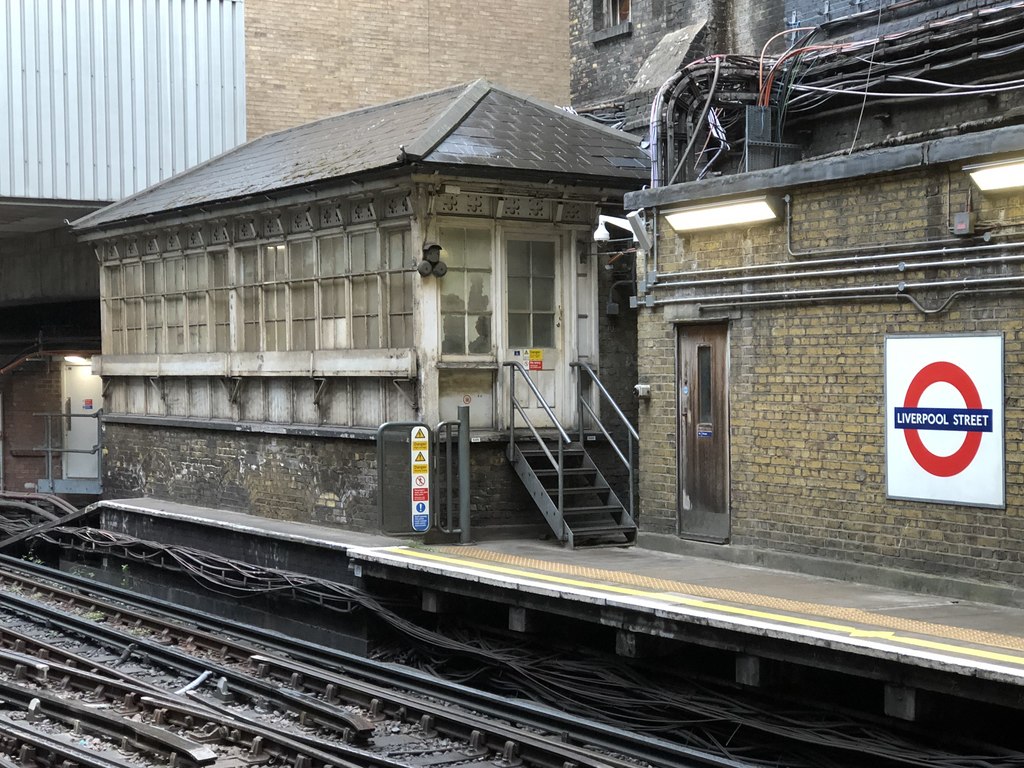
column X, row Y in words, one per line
column 760, row 625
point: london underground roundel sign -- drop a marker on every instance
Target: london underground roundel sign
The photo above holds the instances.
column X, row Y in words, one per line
column 944, row 419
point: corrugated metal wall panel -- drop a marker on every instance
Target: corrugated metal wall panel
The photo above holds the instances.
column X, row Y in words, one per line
column 102, row 98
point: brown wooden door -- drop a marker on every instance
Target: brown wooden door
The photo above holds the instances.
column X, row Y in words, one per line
column 702, row 371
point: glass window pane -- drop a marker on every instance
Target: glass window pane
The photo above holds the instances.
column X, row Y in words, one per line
column 249, row 265
column 332, row 256
column 519, row 330
column 174, row 277
column 152, row 278
column 518, row 258
column 543, row 258
column 361, row 298
column 479, row 334
column 704, row 384
column 519, row 294
column 544, row 331
column 115, row 284
column 543, row 294
column 453, row 247
column 479, row 292
column 275, row 263
column 453, row 294
column 372, row 252
column 219, row 269
column 398, row 251
column 478, row 249
column 302, row 263
column 454, row 335
column 195, row 272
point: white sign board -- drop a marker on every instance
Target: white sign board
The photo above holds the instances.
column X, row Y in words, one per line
column 944, row 419
column 419, row 480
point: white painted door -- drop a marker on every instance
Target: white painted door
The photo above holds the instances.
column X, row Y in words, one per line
column 83, row 396
column 534, row 322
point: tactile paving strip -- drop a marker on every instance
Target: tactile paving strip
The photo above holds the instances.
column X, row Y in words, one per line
column 656, row 585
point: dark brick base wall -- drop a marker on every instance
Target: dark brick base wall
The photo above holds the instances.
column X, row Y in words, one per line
column 324, row 481
column 33, row 388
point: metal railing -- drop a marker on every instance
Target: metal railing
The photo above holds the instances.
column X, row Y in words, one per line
column 628, row 458
column 517, row 407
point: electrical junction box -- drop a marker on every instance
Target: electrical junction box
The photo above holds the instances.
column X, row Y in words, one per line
column 963, row 223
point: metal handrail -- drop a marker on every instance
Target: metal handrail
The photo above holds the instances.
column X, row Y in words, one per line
column 445, row 427
column 633, row 435
column 514, row 406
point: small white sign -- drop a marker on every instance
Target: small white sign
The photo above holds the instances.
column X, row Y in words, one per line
column 944, row 419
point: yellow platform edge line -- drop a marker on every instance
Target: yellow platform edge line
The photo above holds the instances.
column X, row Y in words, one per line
column 843, row 629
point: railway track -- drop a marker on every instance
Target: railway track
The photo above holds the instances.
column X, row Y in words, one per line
column 173, row 686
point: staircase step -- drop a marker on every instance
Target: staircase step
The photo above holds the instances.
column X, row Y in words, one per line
column 575, row 471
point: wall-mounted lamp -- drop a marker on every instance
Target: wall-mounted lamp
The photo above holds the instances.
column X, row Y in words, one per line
column 632, row 223
column 997, row 175
column 727, row 213
column 77, row 360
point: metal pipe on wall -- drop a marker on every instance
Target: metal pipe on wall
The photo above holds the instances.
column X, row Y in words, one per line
column 739, row 299
column 880, row 257
column 875, row 269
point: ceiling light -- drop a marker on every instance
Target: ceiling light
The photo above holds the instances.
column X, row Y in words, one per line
column 77, row 360
column 728, row 213
column 1002, row 174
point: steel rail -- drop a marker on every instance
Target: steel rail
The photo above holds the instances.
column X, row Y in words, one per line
column 330, row 717
column 132, row 736
column 195, row 713
column 27, row 745
column 493, row 735
column 579, row 730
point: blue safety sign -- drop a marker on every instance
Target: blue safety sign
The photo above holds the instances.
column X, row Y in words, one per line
column 420, row 523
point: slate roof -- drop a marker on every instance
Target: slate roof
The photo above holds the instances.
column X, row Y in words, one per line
column 480, row 126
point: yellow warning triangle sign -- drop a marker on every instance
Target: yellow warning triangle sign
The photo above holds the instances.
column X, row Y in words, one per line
column 420, row 457
column 420, row 434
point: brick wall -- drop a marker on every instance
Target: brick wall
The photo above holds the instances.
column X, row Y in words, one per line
column 807, row 434
column 33, row 388
column 324, row 481
column 307, row 60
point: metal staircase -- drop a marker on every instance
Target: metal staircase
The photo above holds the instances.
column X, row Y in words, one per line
column 566, row 485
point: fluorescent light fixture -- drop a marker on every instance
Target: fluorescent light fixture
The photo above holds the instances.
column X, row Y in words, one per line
column 77, row 360
column 727, row 213
column 1001, row 174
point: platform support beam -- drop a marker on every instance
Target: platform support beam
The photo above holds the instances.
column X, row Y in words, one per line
column 901, row 702
column 521, row 620
column 748, row 671
column 433, row 601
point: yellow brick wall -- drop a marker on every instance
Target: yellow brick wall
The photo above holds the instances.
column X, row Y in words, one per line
column 311, row 58
column 807, row 437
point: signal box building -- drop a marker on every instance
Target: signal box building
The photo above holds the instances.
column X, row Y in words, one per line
column 834, row 344
column 266, row 311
